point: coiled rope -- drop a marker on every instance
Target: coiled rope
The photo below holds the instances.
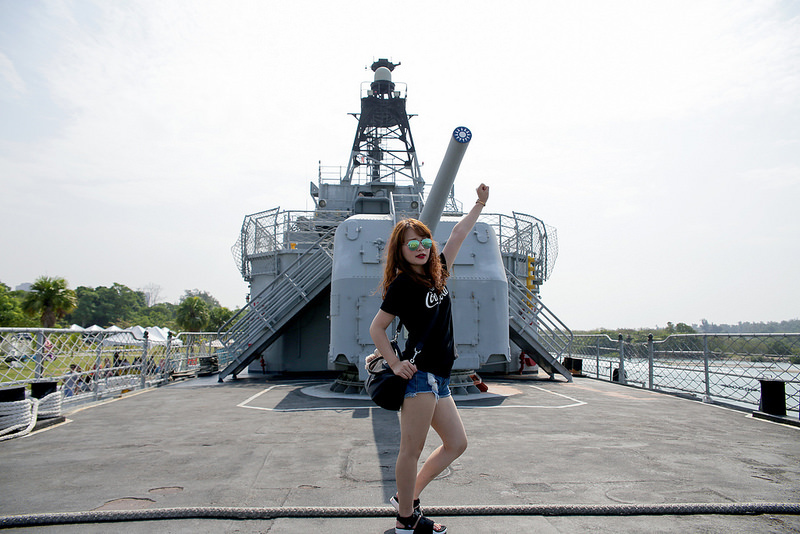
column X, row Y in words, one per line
column 50, row 405
column 18, row 418
column 451, row 511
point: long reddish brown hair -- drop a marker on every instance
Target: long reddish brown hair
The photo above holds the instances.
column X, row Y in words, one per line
column 435, row 274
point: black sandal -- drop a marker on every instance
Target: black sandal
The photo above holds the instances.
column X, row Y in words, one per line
column 418, row 524
column 396, row 503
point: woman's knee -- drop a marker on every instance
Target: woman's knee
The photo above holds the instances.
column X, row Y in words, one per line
column 410, row 452
column 411, row 446
column 459, row 445
column 455, row 444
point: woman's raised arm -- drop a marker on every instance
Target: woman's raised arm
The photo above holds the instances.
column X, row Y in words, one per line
column 462, row 229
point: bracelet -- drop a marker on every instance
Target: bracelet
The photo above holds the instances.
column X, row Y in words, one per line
column 481, row 202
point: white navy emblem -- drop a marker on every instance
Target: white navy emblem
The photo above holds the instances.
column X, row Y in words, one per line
column 462, row 134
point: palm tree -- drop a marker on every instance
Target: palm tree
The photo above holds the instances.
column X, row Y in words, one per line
column 50, row 300
column 192, row 314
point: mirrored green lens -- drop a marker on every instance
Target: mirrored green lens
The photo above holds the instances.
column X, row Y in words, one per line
column 414, row 244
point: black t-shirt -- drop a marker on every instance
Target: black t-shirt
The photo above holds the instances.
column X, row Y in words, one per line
column 415, row 305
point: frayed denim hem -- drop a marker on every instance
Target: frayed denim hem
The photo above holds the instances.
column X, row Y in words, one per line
column 423, row 382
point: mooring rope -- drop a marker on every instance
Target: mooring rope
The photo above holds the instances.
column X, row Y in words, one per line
column 18, row 418
column 104, row 516
column 50, row 405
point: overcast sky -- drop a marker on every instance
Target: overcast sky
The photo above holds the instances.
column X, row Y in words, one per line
column 661, row 139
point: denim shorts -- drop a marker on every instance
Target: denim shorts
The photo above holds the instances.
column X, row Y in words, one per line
column 423, row 382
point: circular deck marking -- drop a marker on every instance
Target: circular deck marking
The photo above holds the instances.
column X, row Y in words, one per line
column 316, row 392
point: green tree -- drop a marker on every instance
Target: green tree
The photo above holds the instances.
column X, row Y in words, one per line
column 119, row 303
column 11, row 313
column 86, row 312
column 192, row 314
column 683, row 328
column 219, row 316
column 161, row 314
column 204, row 295
column 50, row 300
column 105, row 306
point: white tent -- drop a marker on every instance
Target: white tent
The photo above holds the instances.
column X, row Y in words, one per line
column 135, row 336
column 158, row 335
column 123, row 338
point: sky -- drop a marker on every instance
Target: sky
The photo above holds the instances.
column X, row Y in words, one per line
column 661, row 139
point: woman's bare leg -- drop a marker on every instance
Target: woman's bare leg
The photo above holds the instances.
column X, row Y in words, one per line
column 415, row 420
column 447, row 423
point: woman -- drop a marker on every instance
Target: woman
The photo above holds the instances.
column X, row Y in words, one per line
column 414, row 290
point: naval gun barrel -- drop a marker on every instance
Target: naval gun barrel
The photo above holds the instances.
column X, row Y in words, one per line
column 434, row 204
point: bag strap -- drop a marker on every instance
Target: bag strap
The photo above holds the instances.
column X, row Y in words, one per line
column 424, row 337
column 397, row 332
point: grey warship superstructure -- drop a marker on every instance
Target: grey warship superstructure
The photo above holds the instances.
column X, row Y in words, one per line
column 314, row 275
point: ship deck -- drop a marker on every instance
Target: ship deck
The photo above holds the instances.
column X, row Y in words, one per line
column 255, row 443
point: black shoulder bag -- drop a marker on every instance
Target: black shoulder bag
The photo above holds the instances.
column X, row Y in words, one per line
column 385, row 388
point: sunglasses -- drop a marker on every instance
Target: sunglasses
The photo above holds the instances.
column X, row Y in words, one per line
column 414, row 244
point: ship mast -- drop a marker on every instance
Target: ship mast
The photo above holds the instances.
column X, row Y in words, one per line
column 383, row 150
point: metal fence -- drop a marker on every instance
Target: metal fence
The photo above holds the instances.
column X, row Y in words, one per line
column 525, row 235
column 86, row 367
column 726, row 368
column 272, row 231
column 90, row 366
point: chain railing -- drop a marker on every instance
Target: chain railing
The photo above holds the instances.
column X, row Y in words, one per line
column 728, row 368
column 86, row 366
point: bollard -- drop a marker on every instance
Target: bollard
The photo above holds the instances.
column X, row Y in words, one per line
column 40, row 390
column 574, row 365
column 616, row 377
column 12, row 394
column 773, row 397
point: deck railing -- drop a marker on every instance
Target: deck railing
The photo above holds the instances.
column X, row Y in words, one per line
column 90, row 366
column 522, row 236
column 270, row 232
column 726, row 368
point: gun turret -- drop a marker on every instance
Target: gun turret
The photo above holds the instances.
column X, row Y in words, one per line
column 312, row 304
column 434, row 205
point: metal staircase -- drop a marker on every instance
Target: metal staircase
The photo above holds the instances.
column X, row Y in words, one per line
column 536, row 329
column 262, row 321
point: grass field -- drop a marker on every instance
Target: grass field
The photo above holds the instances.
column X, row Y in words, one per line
column 16, row 370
